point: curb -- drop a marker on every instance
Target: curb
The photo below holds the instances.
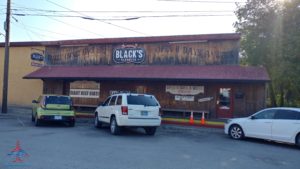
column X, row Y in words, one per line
column 87, row 118
column 194, row 125
column 218, row 126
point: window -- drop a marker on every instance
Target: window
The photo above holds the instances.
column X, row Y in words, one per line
column 266, row 114
column 287, row 115
column 113, row 101
column 224, row 98
column 119, row 100
column 142, row 100
column 106, row 102
column 58, row 100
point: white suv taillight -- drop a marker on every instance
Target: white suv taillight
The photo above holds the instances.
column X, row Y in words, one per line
column 124, row 110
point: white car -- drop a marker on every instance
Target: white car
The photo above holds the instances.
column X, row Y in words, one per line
column 130, row 110
column 280, row 124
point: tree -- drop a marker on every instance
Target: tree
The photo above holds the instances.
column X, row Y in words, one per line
column 256, row 20
column 270, row 38
column 291, row 50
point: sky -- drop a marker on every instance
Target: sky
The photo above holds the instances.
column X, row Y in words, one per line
column 47, row 20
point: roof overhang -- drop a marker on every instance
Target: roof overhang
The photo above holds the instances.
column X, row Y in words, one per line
column 149, row 39
column 144, row 72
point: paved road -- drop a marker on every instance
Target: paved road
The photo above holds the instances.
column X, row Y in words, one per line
column 84, row 147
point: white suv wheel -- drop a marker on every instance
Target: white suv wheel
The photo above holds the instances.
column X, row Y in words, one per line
column 114, row 128
column 97, row 123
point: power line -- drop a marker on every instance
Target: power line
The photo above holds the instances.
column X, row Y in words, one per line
column 147, row 11
column 29, row 31
column 50, row 31
column 178, row 13
column 204, row 1
column 124, row 17
column 98, row 20
column 76, row 27
column 70, row 25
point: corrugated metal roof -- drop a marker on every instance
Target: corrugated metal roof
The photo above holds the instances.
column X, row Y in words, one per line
column 144, row 72
column 150, row 39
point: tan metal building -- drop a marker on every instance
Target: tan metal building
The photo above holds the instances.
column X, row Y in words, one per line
column 20, row 91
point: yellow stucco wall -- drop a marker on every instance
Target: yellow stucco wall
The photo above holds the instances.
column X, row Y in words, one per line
column 20, row 91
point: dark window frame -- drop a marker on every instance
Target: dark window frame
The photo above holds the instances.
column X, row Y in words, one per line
column 119, row 100
column 112, row 101
column 269, row 111
column 106, row 102
column 284, row 114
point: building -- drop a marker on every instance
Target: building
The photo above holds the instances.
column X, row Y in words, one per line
column 185, row 73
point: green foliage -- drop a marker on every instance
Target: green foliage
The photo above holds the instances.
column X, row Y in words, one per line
column 270, row 33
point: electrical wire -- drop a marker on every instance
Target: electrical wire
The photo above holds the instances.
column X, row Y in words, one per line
column 70, row 25
column 148, row 11
column 76, row 27
column 204, row 1
column 98, row 20
column 27, row 31
column 55, row 13
column 33, row 27
column 126, row 17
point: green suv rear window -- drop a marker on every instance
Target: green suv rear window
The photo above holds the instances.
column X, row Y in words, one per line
column 58, row 100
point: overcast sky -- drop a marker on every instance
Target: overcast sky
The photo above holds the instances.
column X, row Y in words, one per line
column 43, row 20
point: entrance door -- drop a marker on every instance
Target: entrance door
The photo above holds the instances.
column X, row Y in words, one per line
column 225, row 103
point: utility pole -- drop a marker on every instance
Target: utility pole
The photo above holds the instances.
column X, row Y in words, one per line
column 6, row 59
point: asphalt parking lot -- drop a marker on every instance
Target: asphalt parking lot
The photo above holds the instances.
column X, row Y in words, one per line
column 56, row 146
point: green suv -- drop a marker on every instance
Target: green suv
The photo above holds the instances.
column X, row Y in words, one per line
column 53, row 108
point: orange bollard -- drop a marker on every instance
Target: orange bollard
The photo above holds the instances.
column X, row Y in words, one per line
column 192, row 118
column 203, row 119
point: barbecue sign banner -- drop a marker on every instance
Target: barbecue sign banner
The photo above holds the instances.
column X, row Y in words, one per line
column 129, row 55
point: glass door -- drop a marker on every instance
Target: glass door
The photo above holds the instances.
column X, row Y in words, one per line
column 225, row 103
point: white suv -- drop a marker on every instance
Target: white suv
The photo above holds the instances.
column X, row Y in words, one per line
column 126, row 109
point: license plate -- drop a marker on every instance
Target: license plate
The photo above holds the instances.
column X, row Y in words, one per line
column 144, row 113
column 57, row 117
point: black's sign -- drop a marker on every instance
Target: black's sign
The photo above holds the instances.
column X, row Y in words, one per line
column 37, row 57
column 129, row 55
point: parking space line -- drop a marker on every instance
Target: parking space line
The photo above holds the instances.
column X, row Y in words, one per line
column 21, row 122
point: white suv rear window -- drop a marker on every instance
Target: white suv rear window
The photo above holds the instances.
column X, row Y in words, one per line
column 141, row 100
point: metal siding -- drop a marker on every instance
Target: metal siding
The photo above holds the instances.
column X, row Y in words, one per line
column 160, row 53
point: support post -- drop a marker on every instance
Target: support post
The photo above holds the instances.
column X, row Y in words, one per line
column 6, row 59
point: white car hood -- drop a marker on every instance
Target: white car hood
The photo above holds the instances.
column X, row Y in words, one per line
column 236, row 120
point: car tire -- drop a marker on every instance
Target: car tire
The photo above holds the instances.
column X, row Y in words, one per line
column 32, row 117
column 298, row 140
column 236, row 132
column 114, row 128
column 150, row 131
column 97, row 123
column 37, row 122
